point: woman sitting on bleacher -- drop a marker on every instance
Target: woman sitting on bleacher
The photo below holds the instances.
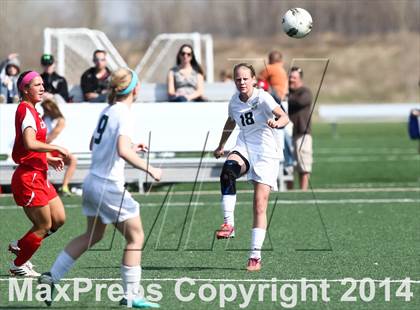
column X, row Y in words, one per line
column 186, row 79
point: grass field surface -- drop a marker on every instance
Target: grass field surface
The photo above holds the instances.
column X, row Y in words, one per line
column 360, row 221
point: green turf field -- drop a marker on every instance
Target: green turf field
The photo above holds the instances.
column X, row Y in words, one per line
column 361, row 221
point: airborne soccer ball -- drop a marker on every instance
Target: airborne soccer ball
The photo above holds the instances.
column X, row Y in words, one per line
column 297, row 23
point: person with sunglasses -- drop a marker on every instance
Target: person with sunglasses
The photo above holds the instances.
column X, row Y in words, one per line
column 186, row 79
column 95, row 80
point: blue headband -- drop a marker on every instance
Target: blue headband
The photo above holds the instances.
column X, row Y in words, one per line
column 130, row 87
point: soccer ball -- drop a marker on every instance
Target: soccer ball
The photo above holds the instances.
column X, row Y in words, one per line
column 297, row 23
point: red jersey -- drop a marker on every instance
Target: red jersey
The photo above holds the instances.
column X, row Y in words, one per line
column 27, row 116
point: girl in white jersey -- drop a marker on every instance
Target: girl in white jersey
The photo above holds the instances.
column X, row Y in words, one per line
column 105, row 200
column 257, row 152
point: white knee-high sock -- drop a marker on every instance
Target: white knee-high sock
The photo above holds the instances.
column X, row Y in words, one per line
column 228, row 208
column 257, row 240
column 61, row 266
column 131, row 281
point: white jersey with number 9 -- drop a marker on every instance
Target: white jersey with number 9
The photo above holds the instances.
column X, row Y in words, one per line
column 114, row 121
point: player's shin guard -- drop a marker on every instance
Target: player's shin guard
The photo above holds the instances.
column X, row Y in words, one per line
column 28, row 246
column 230, row 172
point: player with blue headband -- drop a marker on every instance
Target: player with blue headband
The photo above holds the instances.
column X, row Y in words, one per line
column 105, row 199
column 131, row 86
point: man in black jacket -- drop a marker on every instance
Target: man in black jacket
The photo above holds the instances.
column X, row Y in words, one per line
column 95, row 81
column 53, row 83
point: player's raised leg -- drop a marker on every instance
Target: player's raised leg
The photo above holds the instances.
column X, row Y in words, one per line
column 233, row 168
column 261, row 195
column 132, row 230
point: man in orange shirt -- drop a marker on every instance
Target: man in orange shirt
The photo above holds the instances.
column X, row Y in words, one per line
column 275, row 75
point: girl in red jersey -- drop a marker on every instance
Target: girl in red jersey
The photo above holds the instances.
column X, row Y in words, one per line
column 30, row 187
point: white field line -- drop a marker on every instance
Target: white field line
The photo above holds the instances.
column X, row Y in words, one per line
column 282, row 202
column 319, row 190
column 368, row 185
column 373, row 158
column 272, row 280
column 352, row 188
column 366, row 151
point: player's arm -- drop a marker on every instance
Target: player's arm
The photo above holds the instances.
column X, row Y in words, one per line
column 282, row 119
column 32, row 144
column 125, row 151
column 57, row 130
column 227, row 131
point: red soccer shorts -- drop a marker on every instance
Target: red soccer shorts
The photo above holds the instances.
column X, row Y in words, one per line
column 31, row 188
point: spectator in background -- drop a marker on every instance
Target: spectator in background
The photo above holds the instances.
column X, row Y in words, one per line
column 54, row 84
column 226, row 76
column 95, row 80
column 55, row 122
column 414, row 125
column 275, row 75
column 300, row 100
column 9, row 73
column 186, row 79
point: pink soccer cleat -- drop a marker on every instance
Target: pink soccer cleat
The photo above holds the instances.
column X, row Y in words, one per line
column 254, row 264
column 226, row 231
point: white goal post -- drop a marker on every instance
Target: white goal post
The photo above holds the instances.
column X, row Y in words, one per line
column 73, row 49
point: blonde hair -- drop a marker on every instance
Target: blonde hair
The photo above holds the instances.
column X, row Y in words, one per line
column 120, row 79
column 51, row 109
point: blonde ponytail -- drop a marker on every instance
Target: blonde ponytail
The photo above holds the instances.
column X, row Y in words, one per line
column 120, row 79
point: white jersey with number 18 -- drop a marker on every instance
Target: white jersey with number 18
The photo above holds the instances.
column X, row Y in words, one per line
column 251, row 117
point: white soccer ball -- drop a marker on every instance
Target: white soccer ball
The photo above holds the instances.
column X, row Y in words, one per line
column 297, row 23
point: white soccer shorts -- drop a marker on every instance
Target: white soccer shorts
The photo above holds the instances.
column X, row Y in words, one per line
column 103, row 198
column 262, row 169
